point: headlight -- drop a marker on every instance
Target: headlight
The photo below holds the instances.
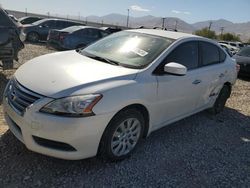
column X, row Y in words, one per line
column 76, row 106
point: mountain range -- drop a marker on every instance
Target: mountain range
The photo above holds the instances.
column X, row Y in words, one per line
column 241, row 29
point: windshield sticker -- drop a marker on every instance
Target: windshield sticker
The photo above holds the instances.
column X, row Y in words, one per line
column 139, row 52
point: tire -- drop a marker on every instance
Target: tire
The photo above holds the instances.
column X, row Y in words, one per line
column 33, row 37
column 221, row 100
column 124, row 131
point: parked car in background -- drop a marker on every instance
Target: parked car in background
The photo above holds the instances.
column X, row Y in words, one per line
column 75, row 37
column 111, row 29
column 243, row 59
column 237, row 45
column 10, row 43
column 29, row 19
column 105, row 98
column 228, row 49
column 233, row 49
column 39, row 30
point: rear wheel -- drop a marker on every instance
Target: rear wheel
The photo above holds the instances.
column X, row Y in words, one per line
column 122, row 135
column 33, row 37
column 221, row 100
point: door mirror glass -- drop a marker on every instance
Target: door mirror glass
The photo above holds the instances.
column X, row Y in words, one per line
column 175, row 69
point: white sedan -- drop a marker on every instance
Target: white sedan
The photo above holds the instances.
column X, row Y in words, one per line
column 105, row 98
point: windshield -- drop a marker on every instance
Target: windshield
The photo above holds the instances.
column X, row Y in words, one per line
column 245, row 52
column 129, row 49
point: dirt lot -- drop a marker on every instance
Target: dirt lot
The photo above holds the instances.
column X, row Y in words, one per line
column 202, row 150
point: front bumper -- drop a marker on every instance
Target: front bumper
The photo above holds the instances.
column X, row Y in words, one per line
column 68, row 138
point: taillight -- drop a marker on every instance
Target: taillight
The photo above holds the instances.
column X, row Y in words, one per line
column 237, row 67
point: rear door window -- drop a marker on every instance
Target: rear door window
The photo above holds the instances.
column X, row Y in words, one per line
column 210, row 54
column 50, row 24
column 222, row 55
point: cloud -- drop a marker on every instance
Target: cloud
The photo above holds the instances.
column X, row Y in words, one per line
column 176, row 11
column 180, row 12
column 138, row 8
column 187, row 12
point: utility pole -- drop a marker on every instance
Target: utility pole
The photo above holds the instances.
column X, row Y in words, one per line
column 128, row 19
column 102, row 23
column 79, row 16
column 176, row 24
column 210, row 25
column 26, row 12
column 86, row 20
column 221, row 30
column 163, row 23
column 48, row 14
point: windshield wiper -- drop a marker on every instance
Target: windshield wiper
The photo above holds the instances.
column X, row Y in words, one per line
column 103, row 59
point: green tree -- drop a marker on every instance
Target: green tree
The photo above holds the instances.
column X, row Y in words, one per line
column 229, row 37
column 205, row 32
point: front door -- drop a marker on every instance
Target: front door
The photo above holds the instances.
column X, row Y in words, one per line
column 178, row 95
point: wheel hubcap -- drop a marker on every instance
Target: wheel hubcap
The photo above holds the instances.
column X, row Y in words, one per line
column 33, row 37
column 126, row 137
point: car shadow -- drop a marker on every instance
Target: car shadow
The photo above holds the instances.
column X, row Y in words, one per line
column 199, row 150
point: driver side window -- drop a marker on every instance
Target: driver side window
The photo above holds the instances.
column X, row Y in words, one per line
column 185, row 54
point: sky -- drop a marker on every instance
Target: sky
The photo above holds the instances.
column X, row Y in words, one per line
column 190, row 11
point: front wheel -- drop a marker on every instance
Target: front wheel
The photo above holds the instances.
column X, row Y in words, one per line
column 221, row 100
column 122, row 135
column 33, row 37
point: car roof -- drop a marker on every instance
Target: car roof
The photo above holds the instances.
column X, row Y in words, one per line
column 163, row 33
column 56, row 19
column 25, row 17
column 78, row 27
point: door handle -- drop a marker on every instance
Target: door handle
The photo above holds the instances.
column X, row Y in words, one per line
column 221, row 75
column 196, row 82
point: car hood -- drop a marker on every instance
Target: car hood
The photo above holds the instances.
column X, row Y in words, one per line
column 55, row 73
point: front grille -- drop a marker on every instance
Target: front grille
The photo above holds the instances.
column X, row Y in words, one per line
column 18, row 97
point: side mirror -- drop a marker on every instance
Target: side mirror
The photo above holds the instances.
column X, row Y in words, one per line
column 175, row 69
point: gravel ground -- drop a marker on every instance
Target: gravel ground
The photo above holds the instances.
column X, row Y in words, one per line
column 199, row 151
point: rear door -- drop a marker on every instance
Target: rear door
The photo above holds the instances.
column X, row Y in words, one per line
column 213, row 71
column 45, row 27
